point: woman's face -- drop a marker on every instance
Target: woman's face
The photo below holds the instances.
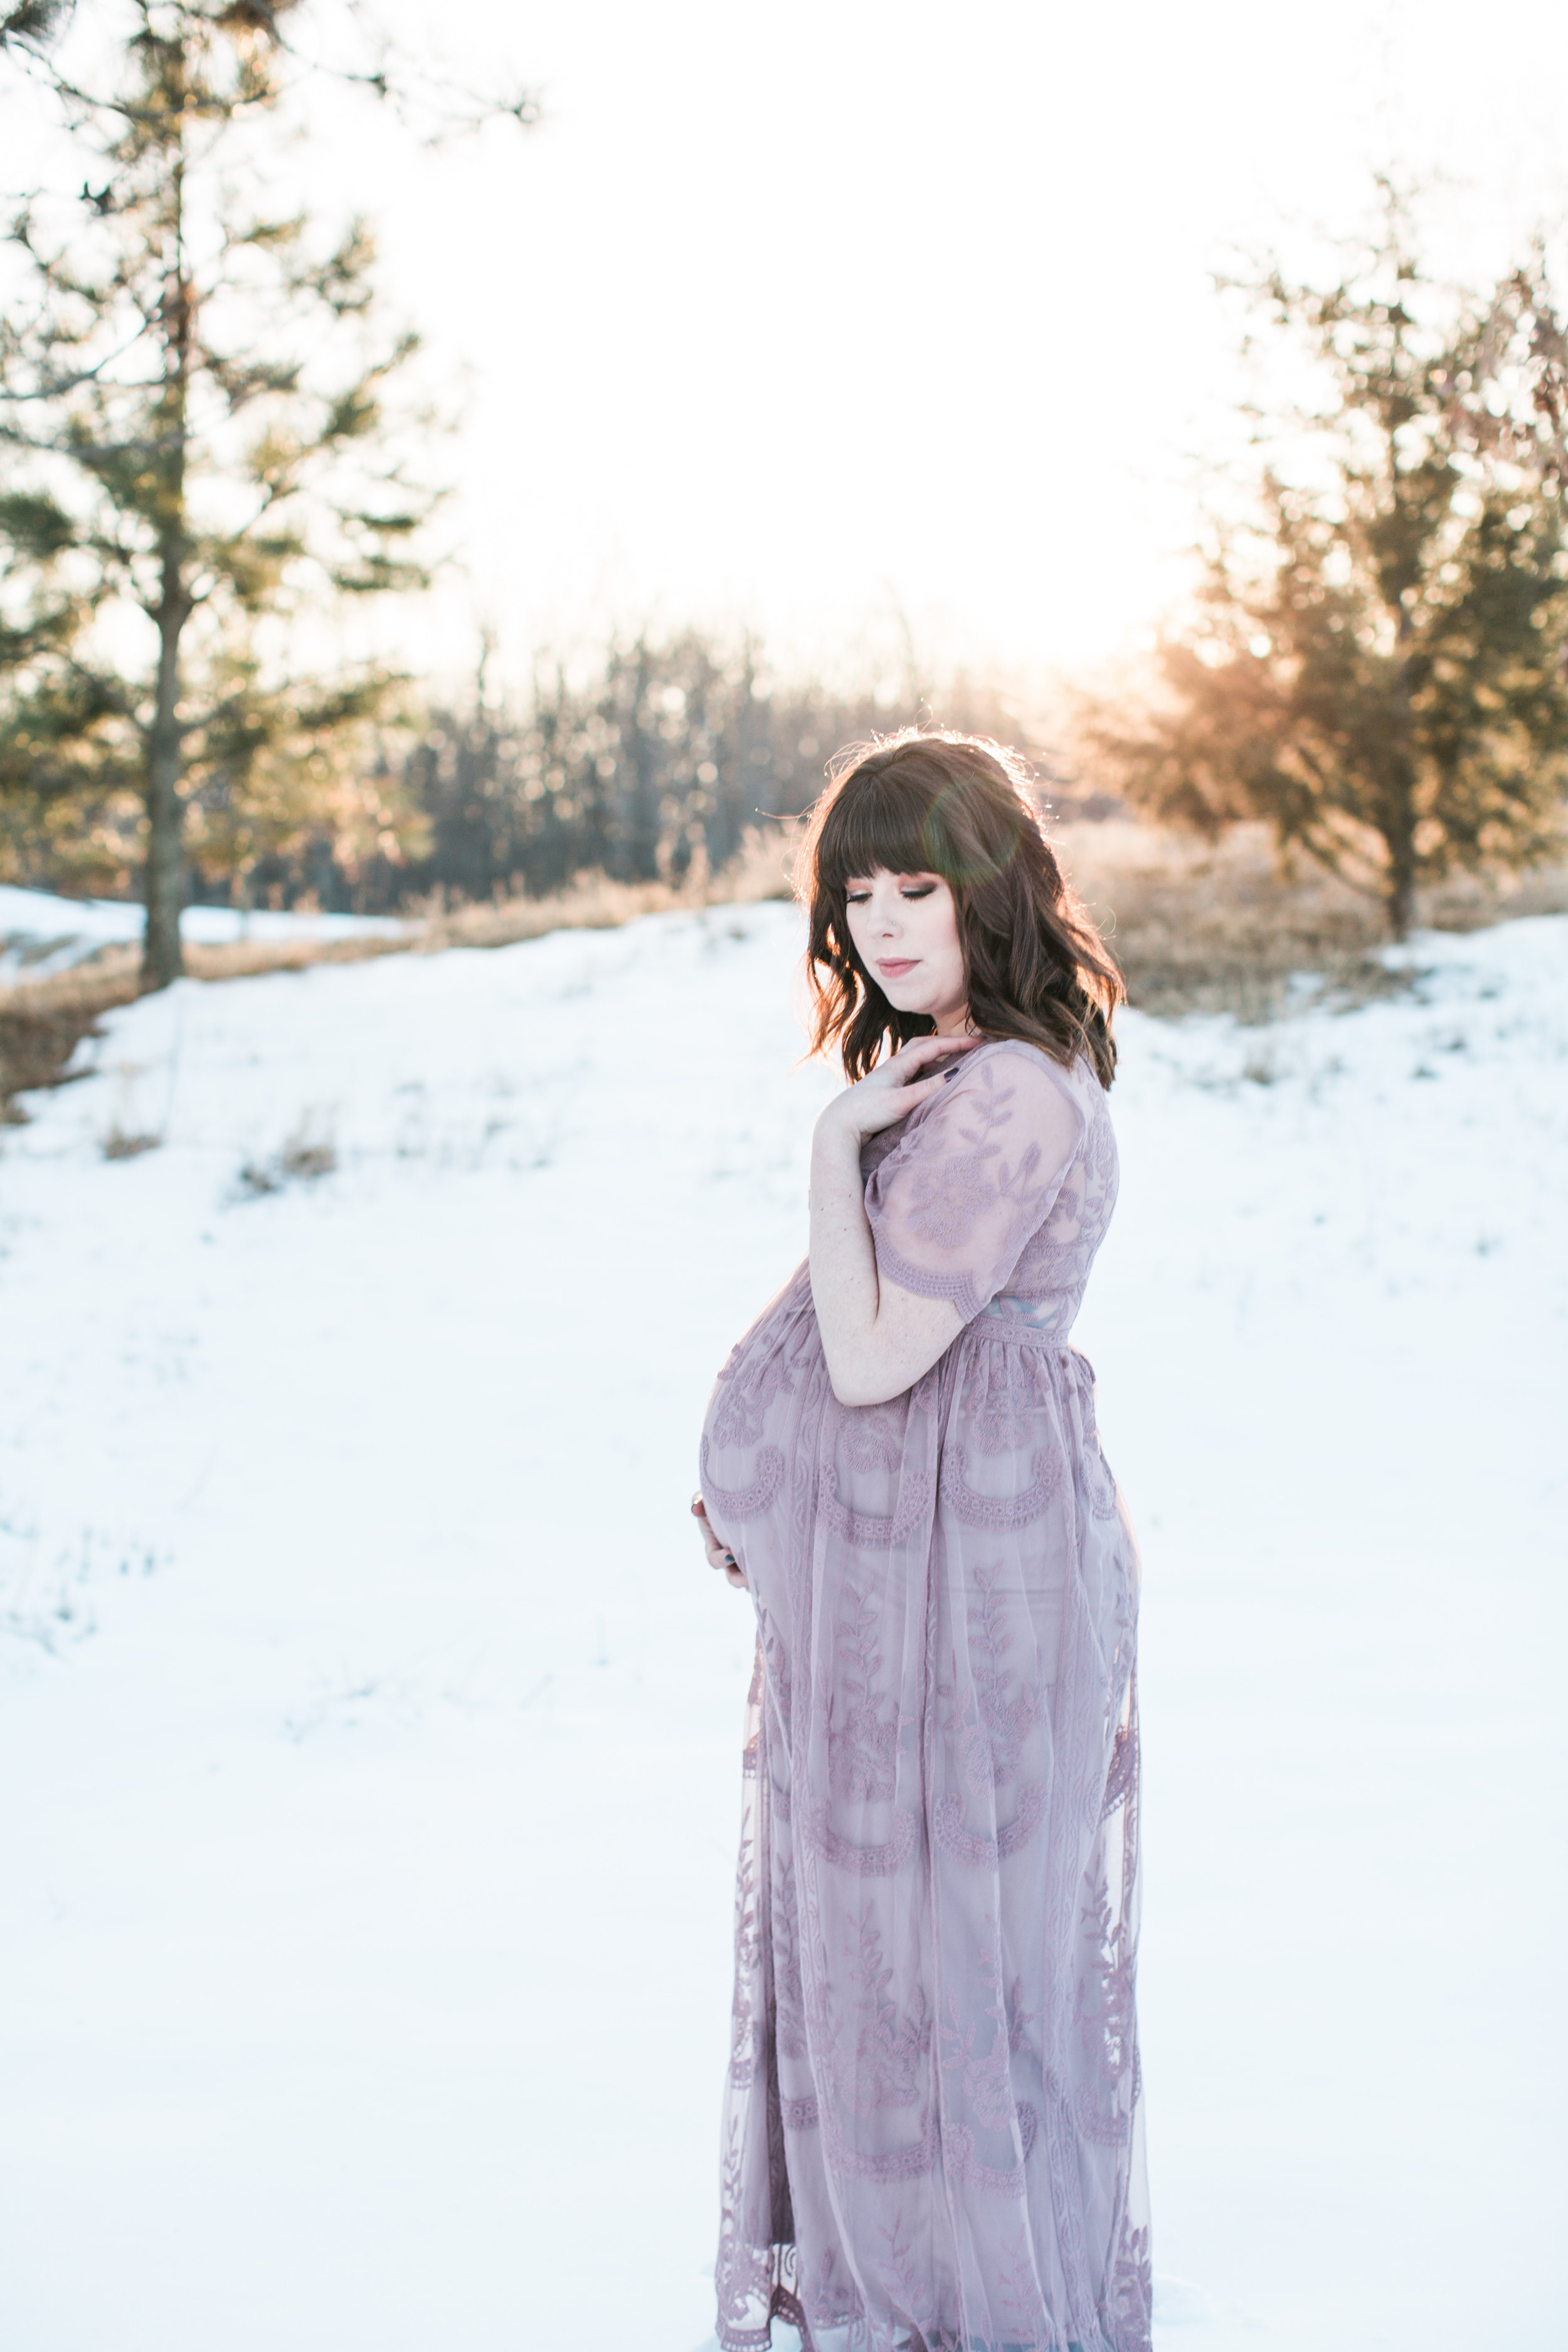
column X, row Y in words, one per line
column 905, row 930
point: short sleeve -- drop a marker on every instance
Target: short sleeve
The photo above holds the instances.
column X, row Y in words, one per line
column 975, row 1176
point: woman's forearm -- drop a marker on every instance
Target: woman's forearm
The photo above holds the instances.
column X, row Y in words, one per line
column 877, row 1337
column 843, row 1261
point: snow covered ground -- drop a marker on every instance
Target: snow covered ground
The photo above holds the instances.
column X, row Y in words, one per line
column 40, row 933
column 369, row 1718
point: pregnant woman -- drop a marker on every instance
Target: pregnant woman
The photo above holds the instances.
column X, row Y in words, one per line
column 933, row 2129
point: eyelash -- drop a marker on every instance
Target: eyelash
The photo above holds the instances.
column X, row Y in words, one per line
column 859, row 897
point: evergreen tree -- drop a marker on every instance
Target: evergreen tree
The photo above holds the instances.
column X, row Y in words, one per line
column 195, row 440
column 1379, row 660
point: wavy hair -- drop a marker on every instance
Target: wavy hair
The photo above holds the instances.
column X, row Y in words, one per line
column 963, row 808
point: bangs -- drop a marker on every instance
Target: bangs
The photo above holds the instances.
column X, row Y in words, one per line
column 882, row 823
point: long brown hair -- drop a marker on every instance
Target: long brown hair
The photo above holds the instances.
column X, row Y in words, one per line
column 956, row 805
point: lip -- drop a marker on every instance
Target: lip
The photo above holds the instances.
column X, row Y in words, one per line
column 896, row 966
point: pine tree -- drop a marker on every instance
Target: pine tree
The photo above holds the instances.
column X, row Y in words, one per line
column 1379, row 661
column 195, row 438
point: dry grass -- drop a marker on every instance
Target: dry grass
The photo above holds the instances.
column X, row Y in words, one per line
column 593, row 904
column 303, row 1158
column 1228, row 928
column 118, row 1145
column 38, row 1035
column 1196, row 929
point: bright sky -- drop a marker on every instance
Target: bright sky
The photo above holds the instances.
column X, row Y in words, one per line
column 809, row 317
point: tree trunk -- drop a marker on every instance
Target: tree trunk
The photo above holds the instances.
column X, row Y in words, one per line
column 1398, row 829
column 162, row 958
column 1399, row 792
column 1396, row 823
column 1399, row 900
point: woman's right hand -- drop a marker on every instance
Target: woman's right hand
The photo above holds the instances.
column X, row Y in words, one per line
column 719, row 1555
column 891, row 1091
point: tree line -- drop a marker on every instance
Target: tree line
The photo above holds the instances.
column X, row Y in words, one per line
column 207, row 445
column 655, row 765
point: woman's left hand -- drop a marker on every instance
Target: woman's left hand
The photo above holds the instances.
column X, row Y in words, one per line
column 719, row 1554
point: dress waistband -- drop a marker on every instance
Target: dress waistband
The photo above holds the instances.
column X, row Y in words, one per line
column 1017, row 1331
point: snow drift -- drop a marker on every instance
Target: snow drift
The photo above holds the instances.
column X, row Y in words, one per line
column 367, row 1703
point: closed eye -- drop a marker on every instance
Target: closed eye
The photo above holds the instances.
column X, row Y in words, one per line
column 910, row 891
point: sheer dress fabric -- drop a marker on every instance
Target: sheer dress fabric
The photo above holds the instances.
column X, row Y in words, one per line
column 932, row 2134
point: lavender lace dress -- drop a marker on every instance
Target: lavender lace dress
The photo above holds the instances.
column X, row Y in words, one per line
column 933, row 2133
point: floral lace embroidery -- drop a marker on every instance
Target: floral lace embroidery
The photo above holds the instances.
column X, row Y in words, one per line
column 989, row 1747
column 997, row 2180
column 885, row 2068
column 986, row 2086
column 1103, row 2011
column 753, row 2281
column 908, row 2289
column 1133, row 2301
column 865, row 1861
column 1024, row 2314
column 895, row 2164
column 746, row 1395
column 730, row 1505
column 862, row 1743
column 872, row 1436
column 1062, row 2163
column 999, row 1511
column 1004, row 1390
column 1123, row 1773
column 864, row 1529
column 1106, row 2131
column 948, row 1195
column 985, row 1853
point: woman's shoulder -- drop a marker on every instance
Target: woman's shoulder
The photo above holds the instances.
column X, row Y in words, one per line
column 1003, row 1094
column 1012, row 1062
column 1075, row 1071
